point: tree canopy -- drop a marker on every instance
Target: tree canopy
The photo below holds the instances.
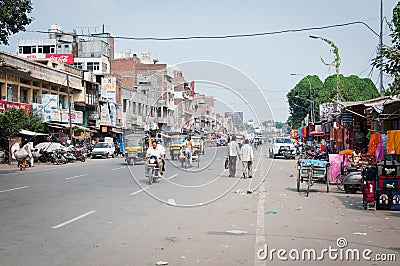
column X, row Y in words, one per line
column 389, row 56
column 12, row 121
column 300, row 98
column 13, row 17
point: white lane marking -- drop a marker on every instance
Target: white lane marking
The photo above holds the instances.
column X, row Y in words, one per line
column 73, row 220
column 118, row 168
column 11, row 174
column 254, row 170
column 75, row 176
column 13, row 189
column 260, row 231
column 172, row 176
column 136, row 192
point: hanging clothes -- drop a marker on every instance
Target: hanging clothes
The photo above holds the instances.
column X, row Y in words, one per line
column 393, row 142
column 379, row 153
column 374, row 141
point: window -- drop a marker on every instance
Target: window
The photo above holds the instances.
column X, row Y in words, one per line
column 33, row 49
column 25, row 96
column 78, row 65
column 93, row 66
column 124, row 105
column 52, row 49
column 46, row 49
column 40, row 50
column 26, row 49
column 104, row 67
column 35, row 97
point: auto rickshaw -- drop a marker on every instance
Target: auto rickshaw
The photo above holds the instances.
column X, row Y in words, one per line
column 134, row 148
column 175, row 146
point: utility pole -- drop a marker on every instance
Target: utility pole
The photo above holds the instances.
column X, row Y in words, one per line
column 69, row 109
column 380, row 51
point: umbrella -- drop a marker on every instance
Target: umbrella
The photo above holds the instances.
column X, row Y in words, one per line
column 317, row 133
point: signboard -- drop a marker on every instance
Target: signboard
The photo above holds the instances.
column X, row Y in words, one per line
column 64, row 58
column 49, row 101
column 104, row 115
column 4, row 105
column 76, row 116
column 109, row 88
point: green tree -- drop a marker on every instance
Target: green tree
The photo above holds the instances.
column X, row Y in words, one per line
column 389, row 56
column 352, row 88
column 13, row 17
column 12, row 121
column 300, row 99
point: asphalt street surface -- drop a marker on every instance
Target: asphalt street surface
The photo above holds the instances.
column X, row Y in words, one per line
column 102, row 212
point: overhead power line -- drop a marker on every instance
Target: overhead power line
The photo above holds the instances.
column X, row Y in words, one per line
column 225, row 36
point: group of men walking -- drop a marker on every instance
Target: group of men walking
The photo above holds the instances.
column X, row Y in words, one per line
column 245, row 154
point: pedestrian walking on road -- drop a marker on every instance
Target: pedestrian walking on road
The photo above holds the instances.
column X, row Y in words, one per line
column 233, row 153
column 247, row 159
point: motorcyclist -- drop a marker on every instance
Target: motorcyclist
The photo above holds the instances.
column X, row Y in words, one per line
column 155, row 150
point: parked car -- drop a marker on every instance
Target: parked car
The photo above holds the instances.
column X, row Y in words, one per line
column 103, row 149
column 281, row 146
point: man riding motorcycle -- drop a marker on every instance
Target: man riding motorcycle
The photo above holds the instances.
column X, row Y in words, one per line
column 159, row 152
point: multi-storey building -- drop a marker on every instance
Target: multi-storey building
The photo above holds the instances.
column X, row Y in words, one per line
column 49, row 86
column 151, row 87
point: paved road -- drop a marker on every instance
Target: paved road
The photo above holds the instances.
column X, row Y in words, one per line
column 102, row 212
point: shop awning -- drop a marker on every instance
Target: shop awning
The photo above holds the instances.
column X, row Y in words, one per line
column 31, row 133
column 376, row 103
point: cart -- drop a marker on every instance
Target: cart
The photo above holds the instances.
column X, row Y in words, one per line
column 312, row 171
column 185, row 158
column 196, row 156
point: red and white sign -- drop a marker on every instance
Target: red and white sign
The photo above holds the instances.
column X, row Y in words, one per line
column 65, row 58
column 4, row 105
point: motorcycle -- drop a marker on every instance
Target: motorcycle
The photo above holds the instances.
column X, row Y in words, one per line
column 350, row 178
column 153, row 170
column 45, row 156
column 58, row 157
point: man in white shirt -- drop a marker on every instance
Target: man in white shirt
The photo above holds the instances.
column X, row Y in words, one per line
column 247, row 159
column 156, row 151
column 233, row 153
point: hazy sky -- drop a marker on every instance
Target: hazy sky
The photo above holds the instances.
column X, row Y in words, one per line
column 267, row 60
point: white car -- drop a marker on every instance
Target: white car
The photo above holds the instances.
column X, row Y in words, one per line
column 103, row 149
column 281, row 146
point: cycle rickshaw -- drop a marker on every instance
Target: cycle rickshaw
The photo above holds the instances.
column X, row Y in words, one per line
column 312, row 171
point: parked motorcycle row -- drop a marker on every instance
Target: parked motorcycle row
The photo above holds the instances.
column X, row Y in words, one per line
column 63, row 156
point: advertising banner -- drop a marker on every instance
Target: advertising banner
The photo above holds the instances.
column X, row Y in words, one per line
column 4, row 105
column 64, row 58
column 109, row 88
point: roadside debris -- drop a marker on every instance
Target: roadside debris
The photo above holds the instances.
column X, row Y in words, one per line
column 271, row 212
column 162, row 262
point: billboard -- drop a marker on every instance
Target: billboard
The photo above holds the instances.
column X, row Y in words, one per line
column 109, row 88
column 64, row 58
